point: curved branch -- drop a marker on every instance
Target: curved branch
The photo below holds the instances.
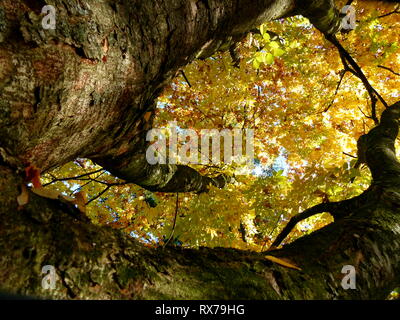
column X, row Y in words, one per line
column 319, row 208
column 98, row 195
column 380, row 153
column 338, row 210
column 174, row 222
column 377, row 150
column 160, row 177
column 342, row 73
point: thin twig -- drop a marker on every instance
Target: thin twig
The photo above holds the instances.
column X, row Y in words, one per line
column 369, row 117
column 186, row 79
column 396, row 10
column 72, row 178
column 111, row 184
column 85, row 184
column 350, row 155
column 174, row 223
column 342, row 73
column 351, row 65
column 391, row 70
column 99, row 195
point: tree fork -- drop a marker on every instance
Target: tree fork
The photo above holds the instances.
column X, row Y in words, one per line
column 377, row 150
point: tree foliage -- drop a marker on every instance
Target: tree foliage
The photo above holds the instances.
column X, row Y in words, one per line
column 307, row 112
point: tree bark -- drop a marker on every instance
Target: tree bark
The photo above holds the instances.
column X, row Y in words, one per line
column 83, row 90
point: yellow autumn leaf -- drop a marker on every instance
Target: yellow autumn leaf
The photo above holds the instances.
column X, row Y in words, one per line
column 282, row 262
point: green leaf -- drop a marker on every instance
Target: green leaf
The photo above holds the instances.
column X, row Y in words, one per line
column 262, row 57
column 262, row 30
column 256, row 63
column 266, row 37
column 278, row 52
column 274, row 44
column 269, row 59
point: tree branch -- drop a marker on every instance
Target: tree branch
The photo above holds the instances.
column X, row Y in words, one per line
column 98, row 195
column 380, row 153
column 376, row 149
column 342, row 73
column 389, row 69
column 338, row 210
column 348, row 61
column 174, row 223
column 396, row 10
column 368, row 117
column 350, row 155
column 186, row 79
column 160, row 177
column 55, row 179
column 322, row 14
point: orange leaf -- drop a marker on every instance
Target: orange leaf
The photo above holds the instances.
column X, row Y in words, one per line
column 32, row 174
column 147, row 116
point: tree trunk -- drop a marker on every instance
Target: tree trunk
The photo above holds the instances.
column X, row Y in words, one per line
column 83, row 90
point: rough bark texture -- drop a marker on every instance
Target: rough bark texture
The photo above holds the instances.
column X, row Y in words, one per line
column 83, row 89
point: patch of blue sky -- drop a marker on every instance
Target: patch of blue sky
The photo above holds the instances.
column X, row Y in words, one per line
column 151, row 238
column 279, row 164
column 74, row 187
column 378, row 27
